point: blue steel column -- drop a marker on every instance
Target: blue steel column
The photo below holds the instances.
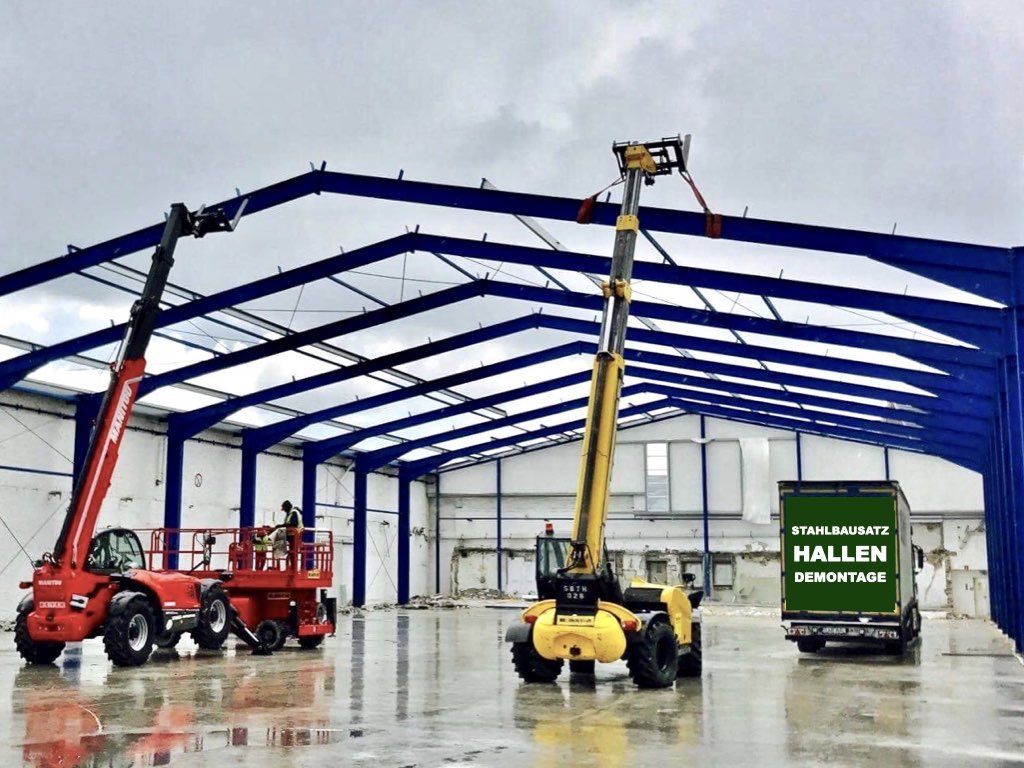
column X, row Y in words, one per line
column 497, row 517
column 885, row 458
column 799, row 459
column 437, row 533
column 706, row 559
column 1015, row 394
column 359, row 535
column 172, row 492
column 309, row 465
column 404, row 530
column 1010, row 413
column 247, row 501
column 86, row 408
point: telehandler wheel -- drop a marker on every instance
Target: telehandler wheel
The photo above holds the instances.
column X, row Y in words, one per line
column 810, row 644
column 581, row 667
column 691, row 664
column 532, row 667
column 168, row 641
column 310, row 642
column 30, row 650
column 214, row 619
column 653, row 660
column 128, row 638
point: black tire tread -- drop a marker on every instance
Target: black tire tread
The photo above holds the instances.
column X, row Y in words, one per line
column 115, row 636
column 641, row 658
column 204, row 636
column 532, row 667
column 310, row 642
column 31, row 651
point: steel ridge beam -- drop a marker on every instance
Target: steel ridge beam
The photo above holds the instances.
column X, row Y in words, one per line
column 371, row 460
column 479, row 288
column 332, row 446
column 375, row 459
column 973, row 323
column 988, row 275
column 945, row 356
column 935, row 435
column 421, row 467
column 836, row 432
column 923, row 419
column 191, row 422
column 745, row 419
column 922, row 379
column 967, row 408
column 261, row 438
column 17, row 368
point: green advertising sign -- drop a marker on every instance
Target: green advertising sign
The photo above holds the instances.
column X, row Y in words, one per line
column 840, row 553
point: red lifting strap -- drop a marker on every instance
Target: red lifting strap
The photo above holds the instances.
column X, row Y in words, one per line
column 712, row 224
column 586, row 211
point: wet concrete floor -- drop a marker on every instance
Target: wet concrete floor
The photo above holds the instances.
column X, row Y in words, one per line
column 433, row 688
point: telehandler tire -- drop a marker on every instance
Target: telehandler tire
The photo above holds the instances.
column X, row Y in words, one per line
column 691, row 664
column 532, row 667
column 29, row 649
column 214, row 618
column 653, row 661
column 581, row 667
column 128, row 638
column 167, row 641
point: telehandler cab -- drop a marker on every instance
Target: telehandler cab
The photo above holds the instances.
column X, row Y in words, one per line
column 91, row 586
column 589, row 617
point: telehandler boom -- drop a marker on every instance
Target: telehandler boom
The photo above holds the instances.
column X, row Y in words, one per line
column 591, row 618
column 100, row 585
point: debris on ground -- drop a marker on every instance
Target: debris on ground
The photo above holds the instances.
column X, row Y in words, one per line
column 425, row 602
column 480, row 593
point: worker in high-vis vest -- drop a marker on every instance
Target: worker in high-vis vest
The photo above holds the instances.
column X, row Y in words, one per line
column 260, row 546
column 286, row 535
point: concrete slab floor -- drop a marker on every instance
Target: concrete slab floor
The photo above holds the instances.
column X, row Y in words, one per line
column 431, row 688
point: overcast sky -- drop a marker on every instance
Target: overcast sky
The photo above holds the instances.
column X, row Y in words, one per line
column 849, row 114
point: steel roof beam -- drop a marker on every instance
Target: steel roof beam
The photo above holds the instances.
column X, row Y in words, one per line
column 988, row 273
column 975, row 324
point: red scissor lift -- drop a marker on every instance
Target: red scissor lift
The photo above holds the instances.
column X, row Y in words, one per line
column 279, row 592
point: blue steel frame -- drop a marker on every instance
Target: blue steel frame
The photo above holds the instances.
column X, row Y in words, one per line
column 965, row 404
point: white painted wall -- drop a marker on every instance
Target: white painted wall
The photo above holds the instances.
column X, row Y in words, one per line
column 947, row 504
column 37, row 432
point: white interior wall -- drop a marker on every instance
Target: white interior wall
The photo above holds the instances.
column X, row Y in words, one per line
column 37, row 433
column 946, row 500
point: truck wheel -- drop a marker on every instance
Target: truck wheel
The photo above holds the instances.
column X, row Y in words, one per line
column 310, row 642
column 810, row 644
column 128, row 638
column 214, row 619
column 653, row 661
column 167, row 641
column 30, row 650
column 691, row 664
column 915, row 622
column 532, row 667
column 581, row 667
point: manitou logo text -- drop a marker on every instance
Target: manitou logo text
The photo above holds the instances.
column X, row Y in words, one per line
column 49, row 583
column 120, row 414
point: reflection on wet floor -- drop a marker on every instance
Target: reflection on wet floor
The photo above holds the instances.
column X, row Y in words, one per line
column 437, row 688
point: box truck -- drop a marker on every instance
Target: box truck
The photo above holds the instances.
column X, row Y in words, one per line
column 848, row 564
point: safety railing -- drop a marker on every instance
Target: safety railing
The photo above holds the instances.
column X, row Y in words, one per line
column 257, row 549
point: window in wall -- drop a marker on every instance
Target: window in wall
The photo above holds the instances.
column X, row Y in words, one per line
column 657, row 477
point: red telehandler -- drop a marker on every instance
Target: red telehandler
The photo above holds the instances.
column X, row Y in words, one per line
column 99, row 586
